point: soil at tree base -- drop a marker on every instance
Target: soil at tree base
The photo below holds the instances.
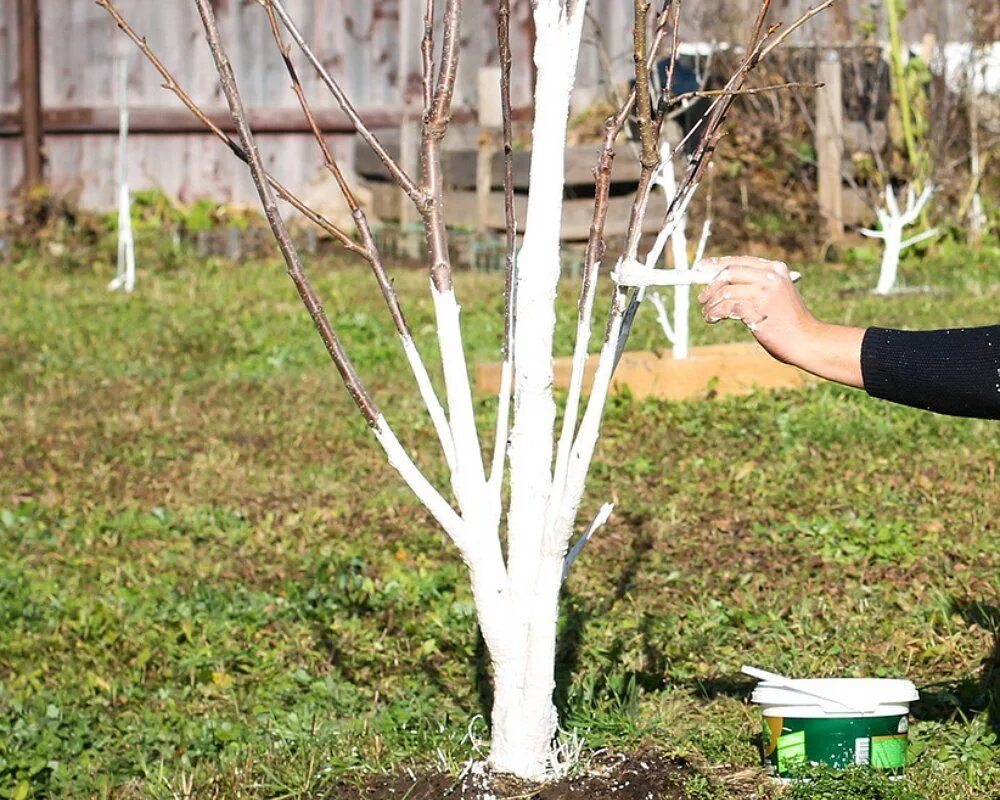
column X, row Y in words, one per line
column 636, row 777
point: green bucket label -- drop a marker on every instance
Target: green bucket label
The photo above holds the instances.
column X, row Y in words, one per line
column 889, row 752
column 791, row 750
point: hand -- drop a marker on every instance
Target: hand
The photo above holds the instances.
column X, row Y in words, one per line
column 761, row 294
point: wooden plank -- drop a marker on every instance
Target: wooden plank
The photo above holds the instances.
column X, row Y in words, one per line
column 29, row 84
column 715, row 370
column 459, row 166
column 461, row 211
column 104, row 120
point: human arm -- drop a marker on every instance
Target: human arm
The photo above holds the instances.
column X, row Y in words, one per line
column 953, row 371
column 761, row 294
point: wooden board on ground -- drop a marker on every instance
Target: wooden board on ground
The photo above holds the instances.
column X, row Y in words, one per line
column 712, row 370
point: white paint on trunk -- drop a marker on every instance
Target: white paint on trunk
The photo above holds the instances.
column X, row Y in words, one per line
column 555, row 54
column 525, row 721
column 893, row 221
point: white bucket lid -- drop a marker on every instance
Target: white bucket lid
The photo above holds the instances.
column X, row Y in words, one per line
column 837, row 695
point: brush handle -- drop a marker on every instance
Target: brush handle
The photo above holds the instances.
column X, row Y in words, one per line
column 794, row 685
column 632, row 276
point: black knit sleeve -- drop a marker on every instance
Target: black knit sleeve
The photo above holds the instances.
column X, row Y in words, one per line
column 953, row 371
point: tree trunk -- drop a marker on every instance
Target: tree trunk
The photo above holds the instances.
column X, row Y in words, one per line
column 890, row 259
column 524, row 718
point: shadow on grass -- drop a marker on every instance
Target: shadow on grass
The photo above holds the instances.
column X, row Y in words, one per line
column 967, row 697
column 577, row 615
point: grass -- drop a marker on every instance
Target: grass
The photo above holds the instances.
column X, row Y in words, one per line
column 211, row 585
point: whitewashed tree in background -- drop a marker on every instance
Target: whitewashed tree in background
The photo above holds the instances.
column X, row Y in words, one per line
column 516, row 594
column 125, row 270
column 893, row 221
column 678, row 333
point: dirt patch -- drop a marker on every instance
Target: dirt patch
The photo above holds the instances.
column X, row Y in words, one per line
column 646, row 776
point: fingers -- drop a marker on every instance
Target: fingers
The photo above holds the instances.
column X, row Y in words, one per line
column 733, row 302
column 742, row 270
column 722, row 262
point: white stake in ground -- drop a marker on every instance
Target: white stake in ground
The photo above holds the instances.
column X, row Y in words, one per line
column 892, row 222
column 125, row 271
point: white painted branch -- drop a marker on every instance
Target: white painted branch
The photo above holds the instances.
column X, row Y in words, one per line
column 656, row 251
column 678, row 246
column 920, row 237
column 468, row 478
column 661, row 315
column 400, row 460
column 582, row 453
column 430, row 399
column 581, row 350
column 598, row 522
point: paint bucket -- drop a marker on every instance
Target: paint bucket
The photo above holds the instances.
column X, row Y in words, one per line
column 837, row 721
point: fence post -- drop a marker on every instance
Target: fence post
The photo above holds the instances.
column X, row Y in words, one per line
column 29, row 80
column 830, row 142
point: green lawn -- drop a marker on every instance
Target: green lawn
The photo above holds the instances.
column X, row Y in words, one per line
column 208, row 577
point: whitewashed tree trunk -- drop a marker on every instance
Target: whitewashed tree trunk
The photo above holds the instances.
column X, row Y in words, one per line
column 125, row 271
column 893, row 221
column 526, row 721
column 677, row 333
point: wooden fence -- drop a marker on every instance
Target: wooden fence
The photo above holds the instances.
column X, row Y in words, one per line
column 372, row 46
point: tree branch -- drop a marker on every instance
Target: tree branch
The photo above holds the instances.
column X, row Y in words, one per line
column 398, row 175
column 427, row 56
column 171, row 85
column 510, row 278
column 372, row 256
column 397, row 456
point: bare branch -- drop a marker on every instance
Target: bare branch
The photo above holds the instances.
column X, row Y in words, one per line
column 278, row 227
column 372, row 256
column 667, row 90
column 774, row 87
column 790, row 29
column 507, row 370
column 171, row 85
column 649, row 157
column 427, row 56
column 444, row 91
column 398, row 175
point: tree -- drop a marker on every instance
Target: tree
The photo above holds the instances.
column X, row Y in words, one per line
column 516, row 579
